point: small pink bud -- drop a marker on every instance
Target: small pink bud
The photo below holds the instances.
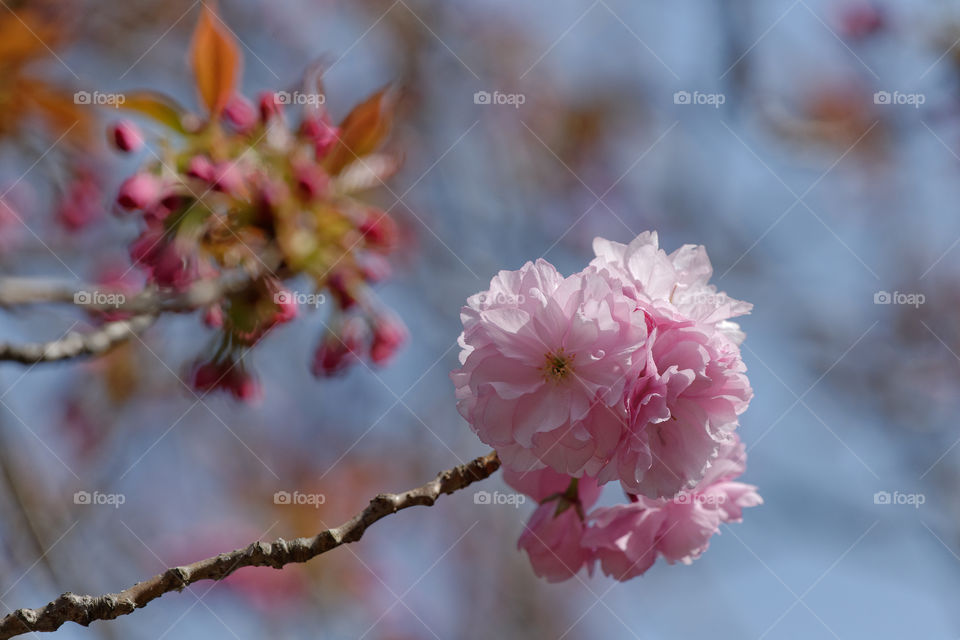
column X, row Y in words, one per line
column 272, row 193
column 336, row 353
column 213, row 317
column 860, row 20
column 201, row 168
column 81, row 204
column 312, row 181
column 270, row 107
column 318, row 128
column 342, row 290
column 158, row 211
column 240, row 113
column 144, row 248
column 287, row 308
column 139, row 191
column 374, row 268
column 380, row 231
column 388, row 335
column 226, row 375
column 165, row 263
column 228, row 178
column 126, row 136
column 245, row 387
column 269, row 194
column 208, row 376
column 173, row 269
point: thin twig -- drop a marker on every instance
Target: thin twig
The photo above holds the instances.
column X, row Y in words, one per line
column 85, row 609
column 147, row 304
column 74, row 344
column 22, row 291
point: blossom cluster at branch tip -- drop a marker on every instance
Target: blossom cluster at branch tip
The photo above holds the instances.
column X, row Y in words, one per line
column 628, row 371
column 262, row 190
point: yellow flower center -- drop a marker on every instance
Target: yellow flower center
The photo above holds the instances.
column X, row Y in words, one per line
column 558, row 365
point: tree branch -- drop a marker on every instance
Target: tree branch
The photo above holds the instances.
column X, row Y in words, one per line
column 202, row 293
column 147, row 304
column 85, row 609
column 75, row 344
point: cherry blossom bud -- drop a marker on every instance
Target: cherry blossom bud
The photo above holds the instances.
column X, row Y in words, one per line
column 380, row 231
column 213, row 317
column 336, row 353
column 173, row 269
column 228, row 178
column 208, row 376
column 81, row 204
column 374, row 268
column 287, row 308
column 388, row 335
column 126, row 136
column 342, row 289
column 240, row 114
column 269, row 194
column 245, row 387
column 139, row 191
column 226, row 375
column 158, row 211
column 272, row 192
column 318, row 128
column 200, row 167
column 163, row 261
column 312, row 181
column 143, row 247
column 861, row 20
column 270, row 107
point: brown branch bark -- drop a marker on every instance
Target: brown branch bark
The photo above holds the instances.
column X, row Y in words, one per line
column 147, row 304
column 74, row 344
column 24, row 291
column 85, row 609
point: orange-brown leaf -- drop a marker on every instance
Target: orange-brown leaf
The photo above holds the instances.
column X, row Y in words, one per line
column 158, row 107
column 362, row 131
column 26, row 34
column 216, row 61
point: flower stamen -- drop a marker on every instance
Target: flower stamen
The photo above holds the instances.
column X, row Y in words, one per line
column 558, row 365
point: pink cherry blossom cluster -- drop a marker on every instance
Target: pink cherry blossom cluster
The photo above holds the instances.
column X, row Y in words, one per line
column 628, row 371
column 269, row 193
